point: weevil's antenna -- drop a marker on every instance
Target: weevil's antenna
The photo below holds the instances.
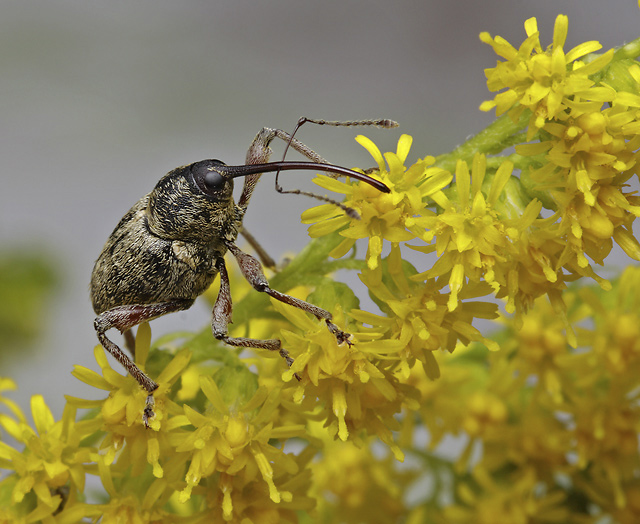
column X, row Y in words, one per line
column 383, row 123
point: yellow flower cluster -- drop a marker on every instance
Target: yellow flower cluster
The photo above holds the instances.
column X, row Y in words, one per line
column 585, row 133
column 545, row 426
column 529, row 224
column 544, row 81
column 554, row 422
column 219, row 464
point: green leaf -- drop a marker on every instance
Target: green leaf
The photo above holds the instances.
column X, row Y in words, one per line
column 331, row 293
column 27, row 280
column 204, row 347
column 237, row 384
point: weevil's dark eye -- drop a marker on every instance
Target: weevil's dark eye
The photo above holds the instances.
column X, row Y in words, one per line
column 207, row 177
column 214, row 181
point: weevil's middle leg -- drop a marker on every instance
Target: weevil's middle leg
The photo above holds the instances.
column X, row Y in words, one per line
column 221, row 319
column 252, row 271
column 266, row 260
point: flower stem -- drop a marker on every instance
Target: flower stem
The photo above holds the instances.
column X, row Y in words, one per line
column 497, row 136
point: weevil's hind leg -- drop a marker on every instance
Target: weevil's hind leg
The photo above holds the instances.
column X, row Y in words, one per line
column 124, row 318
column 221, row 319
column 252, row 271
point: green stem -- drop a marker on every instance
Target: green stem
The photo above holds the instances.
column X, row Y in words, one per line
column 497, row 136
column 630, row 50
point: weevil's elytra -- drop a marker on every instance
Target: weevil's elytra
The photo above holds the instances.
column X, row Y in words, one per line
column 170, row 246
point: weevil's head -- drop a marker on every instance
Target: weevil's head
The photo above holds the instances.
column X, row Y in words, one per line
column 195, row 202
column 192, row 203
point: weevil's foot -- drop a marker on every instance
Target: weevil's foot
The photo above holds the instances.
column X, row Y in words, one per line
column 285, row 355
column 148, row 410
column 341, row 336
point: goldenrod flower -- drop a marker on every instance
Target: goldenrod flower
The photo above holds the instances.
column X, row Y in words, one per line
column 517, row 498
column 471, row 238
column 121, row 412
column 139, row 504
column 419, row 318
column 538, row 79
column 52, row 459
column 590, row 158
column 357, row 486
column 383, row 216
column 249, row 501
column 351, row 383
column 234, row 441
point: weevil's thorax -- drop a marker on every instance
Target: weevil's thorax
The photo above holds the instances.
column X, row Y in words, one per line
column 181, row 209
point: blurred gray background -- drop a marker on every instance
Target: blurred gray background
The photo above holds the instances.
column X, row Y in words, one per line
column 99, row 99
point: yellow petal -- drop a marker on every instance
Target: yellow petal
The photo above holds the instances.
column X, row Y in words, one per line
column 404, row 145
column 327, row 226
column 340, row 410
column 502, row 176
column 531, row 26
column 42, row 416
column 374, row 251
column 153, row 456
column 211, row 391
column 143, row 343
column 560, row 30
column 463, row 183
column 175, row 367
column 487, row 105
column 478, row 172
column 267, row 474
column 331, row 184
column 584, row 49
column 373, row 151
column 342, row 248
column 318, row 212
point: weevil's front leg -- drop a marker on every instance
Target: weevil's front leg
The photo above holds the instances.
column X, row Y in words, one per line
column 259, row 153
column 221, row 319
column 252, row 271
column 124, row 318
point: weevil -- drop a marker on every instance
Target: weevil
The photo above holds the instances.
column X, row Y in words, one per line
column 169, row 247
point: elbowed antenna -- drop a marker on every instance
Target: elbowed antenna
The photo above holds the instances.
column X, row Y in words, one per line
column 287, row 165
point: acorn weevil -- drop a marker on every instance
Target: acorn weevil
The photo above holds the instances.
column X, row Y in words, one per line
column 169, row 247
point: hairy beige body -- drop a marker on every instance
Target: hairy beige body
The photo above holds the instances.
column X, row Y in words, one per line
column 137, row 266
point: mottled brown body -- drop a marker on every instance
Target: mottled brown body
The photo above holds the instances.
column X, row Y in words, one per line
column 169, row 247
column 155, row 254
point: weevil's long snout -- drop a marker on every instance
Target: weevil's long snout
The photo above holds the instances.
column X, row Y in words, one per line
column 238, row 171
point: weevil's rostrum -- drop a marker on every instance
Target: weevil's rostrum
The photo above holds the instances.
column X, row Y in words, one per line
column 170, row 246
